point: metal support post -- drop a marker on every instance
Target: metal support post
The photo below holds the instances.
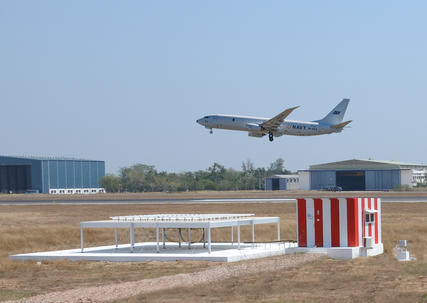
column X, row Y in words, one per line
column 157, row 237
column 81, row 237
column 238, row 234
column 209, row 237
column 132, row 237
column 253, row 232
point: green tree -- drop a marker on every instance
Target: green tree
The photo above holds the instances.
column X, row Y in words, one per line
column 207, row 185
column 278, row 168
column 110, row 183
column 248, row 166
column 216, row 172
column 141, row 177
column 138, row 177
column 260, row 174
column 247, row 181
column 187, row 181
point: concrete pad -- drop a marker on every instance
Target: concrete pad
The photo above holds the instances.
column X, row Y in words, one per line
column 344, row 253
column 221, row 252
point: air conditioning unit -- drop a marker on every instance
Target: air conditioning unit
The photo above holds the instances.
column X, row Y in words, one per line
column 368, row 242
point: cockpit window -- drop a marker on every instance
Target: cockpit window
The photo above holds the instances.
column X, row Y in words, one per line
column 206, row 117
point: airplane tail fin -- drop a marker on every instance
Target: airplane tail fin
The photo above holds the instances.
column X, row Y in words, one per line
column 336, row 115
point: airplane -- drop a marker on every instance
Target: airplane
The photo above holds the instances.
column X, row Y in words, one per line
column 278, row 126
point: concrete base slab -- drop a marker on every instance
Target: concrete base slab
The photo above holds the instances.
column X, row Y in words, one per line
column 344, row 253
column 221, row 252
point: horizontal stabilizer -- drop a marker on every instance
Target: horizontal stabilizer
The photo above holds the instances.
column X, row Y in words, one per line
column 341, row 125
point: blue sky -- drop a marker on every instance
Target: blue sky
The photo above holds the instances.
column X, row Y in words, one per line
column 124, row 82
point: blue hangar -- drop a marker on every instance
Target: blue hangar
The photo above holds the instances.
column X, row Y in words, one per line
column 50, row 175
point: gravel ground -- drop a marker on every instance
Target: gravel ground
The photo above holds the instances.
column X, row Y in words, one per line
column 127, row 289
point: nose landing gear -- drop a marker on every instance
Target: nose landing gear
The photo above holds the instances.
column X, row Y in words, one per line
column 211, row 131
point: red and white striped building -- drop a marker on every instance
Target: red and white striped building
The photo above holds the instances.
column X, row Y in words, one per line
column 333, row 225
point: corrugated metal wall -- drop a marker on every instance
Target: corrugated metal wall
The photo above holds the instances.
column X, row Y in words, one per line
column 321, row 179
column 61, row 173
column 382, row 179
column 67, row 174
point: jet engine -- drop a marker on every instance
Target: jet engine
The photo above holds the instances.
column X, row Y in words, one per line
column 253, row 127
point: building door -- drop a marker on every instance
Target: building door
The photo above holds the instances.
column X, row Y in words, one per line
column 275, row 184
column 351, row 180
column 15, row 178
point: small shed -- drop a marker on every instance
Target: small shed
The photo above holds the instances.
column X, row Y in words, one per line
column 345, row 228
column 282, row 182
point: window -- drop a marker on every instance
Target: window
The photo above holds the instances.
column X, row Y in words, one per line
column 369, row 217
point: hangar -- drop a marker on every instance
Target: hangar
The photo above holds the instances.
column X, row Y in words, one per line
column 282, row 182
column 52, row 175
column 360, row 175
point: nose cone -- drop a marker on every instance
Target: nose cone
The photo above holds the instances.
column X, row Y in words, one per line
column 200, row 121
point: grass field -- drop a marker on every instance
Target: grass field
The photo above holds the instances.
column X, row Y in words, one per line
column 32, row 228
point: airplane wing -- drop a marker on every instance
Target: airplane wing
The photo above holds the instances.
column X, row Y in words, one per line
column 274, row 123
column 341, row 125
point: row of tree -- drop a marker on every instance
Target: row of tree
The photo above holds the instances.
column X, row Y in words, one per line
column 145, row 178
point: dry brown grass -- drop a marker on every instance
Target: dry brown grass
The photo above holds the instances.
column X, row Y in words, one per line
column 48, row 227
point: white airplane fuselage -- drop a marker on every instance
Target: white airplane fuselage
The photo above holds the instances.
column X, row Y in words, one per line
column 288, row 127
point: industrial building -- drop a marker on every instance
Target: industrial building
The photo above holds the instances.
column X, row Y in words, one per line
column 282, row 182
column 52, row 175
column 361, row 175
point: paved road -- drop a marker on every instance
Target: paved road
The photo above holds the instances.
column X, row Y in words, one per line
column 416, row 199
column 146, row 201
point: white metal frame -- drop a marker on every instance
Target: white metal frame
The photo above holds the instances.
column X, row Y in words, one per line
column 207, row 222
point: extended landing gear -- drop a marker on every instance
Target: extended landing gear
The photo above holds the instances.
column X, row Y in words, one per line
column 211, row 131
column 270, row 137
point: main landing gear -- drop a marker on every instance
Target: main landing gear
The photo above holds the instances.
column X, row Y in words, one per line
column 270, row 137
